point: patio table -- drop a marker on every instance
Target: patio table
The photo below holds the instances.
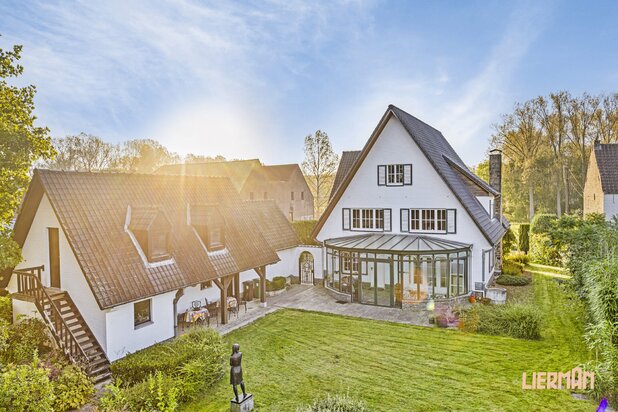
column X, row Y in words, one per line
column 192, row 316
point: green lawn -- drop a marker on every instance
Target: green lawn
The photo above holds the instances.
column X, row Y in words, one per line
column 290, row 357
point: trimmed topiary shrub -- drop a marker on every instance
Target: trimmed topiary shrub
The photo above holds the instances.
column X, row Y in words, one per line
column 512, row 319
column 508, row 240
column 277, row 283
column 510, row 280
column 336, row 403
column 203, row 346
column 542, row 223
column 524, row 237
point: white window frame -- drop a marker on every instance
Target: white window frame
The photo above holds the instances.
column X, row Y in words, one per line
column 367, row 219
column 428, row 220
column 394, row 175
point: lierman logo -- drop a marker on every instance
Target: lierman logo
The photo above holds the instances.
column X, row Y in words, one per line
column 576, row 378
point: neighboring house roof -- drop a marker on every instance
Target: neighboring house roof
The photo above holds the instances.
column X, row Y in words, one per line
column 237, row 170
column 606, row 156
column 92, row 211
column 345, row 165
column 279, row 172
column 273, row 224
column 444, row 160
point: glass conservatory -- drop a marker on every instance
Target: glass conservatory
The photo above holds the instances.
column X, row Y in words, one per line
column 388, row 270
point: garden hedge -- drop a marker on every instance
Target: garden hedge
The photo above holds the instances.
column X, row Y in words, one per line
column 510, row 280
column 515, row 320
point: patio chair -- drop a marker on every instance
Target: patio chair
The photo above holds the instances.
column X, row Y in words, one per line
column 213, row 311
column 181, row 320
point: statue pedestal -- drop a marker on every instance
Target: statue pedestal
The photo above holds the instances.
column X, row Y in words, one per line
column 244, row 405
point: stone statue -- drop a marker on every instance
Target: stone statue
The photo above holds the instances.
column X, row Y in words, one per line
column 236, row 371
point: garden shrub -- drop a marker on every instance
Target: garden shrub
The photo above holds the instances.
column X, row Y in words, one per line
column 336, row 403
column 512, row 268
column 26, row 388
column 303, row 229
column 543, row 250
column 277, row 283
column 510, row 280
column 157, row 392
column 508, row 240
column 542, row 223
column 72, row 389
column 6, row 309
column 201, row 345
column 524, row 237
column 512, row 319
column 27, row 337
column 519, row 258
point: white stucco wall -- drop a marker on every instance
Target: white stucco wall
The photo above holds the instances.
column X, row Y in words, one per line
column 428, row 190
column 124, row 338
column 610, row 206
column 36, row 252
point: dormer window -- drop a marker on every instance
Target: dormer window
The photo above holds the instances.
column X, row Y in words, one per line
column 152, row 231
column 209, row 226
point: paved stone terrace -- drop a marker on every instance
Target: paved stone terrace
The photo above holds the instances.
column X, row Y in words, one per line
column 316, row 299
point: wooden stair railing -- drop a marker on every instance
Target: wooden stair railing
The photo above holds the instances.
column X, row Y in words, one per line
column 29, row 284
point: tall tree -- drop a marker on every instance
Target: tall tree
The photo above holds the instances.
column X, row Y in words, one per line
column 144, row 156
column 83, row 152
column 520, row 140
column 319, row 167
column 21, row 144
column 581, row 114
column 606, row 119
column 193, row 158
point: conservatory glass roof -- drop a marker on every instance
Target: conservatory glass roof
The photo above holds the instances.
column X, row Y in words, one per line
column 396, row 243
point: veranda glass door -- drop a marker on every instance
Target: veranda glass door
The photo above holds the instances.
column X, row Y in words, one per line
column 377, row 286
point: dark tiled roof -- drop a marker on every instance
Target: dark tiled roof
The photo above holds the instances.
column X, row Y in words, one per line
column 443, row 158
column 280, row 172
column 606, row 156
column 273, row 224
column 437, row 150
column 237, row 170
column 345, row 165
column 92, row 210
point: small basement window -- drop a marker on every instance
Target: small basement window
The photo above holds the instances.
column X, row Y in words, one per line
column 141, row 312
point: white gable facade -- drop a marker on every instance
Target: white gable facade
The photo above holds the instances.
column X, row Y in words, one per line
column 404, row 238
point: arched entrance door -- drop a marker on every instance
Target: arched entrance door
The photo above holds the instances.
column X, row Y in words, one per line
column 305, row 268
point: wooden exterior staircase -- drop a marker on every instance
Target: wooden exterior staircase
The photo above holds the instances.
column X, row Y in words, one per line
column 67, row 326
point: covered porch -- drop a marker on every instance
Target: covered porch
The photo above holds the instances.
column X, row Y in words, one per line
column 396, row 270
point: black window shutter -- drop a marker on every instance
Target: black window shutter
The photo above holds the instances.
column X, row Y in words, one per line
column 382, row 175
column 407, row 174
column 405, row 220
column 346, row 219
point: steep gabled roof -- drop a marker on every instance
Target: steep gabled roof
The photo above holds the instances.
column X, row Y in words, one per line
column 345, row 165
column 92, row 211
column 606, row 156
column 437, row 150
column 237, row 170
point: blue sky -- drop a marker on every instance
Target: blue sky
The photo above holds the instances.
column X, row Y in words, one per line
column 251, row 79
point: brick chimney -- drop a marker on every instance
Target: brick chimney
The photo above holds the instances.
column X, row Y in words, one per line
column 495, row 181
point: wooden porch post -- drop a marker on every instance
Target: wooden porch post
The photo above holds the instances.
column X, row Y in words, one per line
column 261, row 271
column 224, row 283
column 237, row 291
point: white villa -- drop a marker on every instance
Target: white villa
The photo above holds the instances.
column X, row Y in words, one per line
column 111, row 259
column 408, row 221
